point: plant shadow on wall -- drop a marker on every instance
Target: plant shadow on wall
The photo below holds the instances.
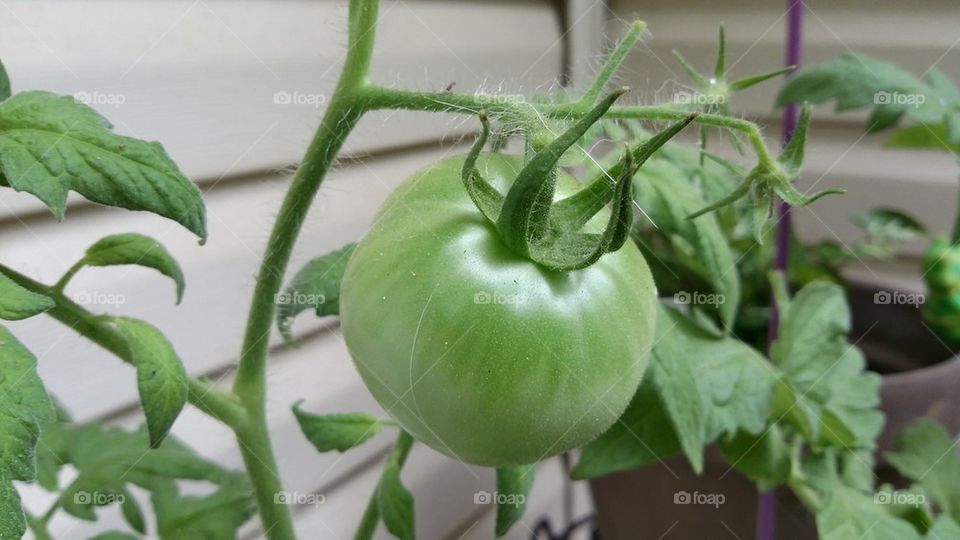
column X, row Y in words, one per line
column 597, row 363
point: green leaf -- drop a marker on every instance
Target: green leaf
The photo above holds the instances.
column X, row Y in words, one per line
column 161, row 378
column 114, row 457
column 316, row 286
column 338, row 432
column 108, row 461
column 825, row 390
column 132, row 513
column 138, row 249
column 51, row 144
column 698, row 80
column 927, row 455
column 395, row 502
column 764, row 458
column 709, row 386
column 24, row 405
column 851, row 514
column 753, row 80
column 214, row 517
column 858, row 81
column 697, row 388
column 53, row 448
column 664, row 192
column 12, row 524
column 889, row 224
column 38, row 529
column 793, row 154
column 643, row 435
column 856, row 468
column 720, row 69
column 17, row 303
column 513, row 488
column 944, row 528
column 930, row 136
column 4, row 83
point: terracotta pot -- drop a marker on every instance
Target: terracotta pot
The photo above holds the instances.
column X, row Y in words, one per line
column 921, row 378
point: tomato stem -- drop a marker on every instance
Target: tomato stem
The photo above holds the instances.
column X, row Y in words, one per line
column 376, row 97
column 371, row 515
column 338, row 121
column 613, row 62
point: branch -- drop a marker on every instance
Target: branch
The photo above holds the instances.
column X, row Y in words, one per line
column 342, row 114
column 223, row 406
column 376, row 97
column 371, row 516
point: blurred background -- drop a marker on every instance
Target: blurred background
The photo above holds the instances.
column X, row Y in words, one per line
column 234, row 90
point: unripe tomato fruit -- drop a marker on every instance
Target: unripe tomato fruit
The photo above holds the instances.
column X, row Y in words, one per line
column 479, row 352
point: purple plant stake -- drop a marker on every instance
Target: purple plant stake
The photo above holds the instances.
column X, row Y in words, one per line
column 767, row 507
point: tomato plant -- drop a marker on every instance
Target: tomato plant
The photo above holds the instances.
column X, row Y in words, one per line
column 499, row 310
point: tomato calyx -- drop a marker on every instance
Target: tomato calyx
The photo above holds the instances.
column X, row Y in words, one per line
column 547, row 232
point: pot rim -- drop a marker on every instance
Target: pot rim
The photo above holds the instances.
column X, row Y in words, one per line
column 932, row 371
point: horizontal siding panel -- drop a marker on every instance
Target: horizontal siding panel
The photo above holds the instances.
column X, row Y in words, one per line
column 203, row 77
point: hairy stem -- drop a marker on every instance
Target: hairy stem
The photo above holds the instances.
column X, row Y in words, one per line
column 221, row 405
column 374, row 97
column 371, row 516
column 613, row 62
column 341, row 116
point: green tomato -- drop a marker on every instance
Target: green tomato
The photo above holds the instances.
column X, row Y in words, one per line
column 477, row 351
column 941, row 271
